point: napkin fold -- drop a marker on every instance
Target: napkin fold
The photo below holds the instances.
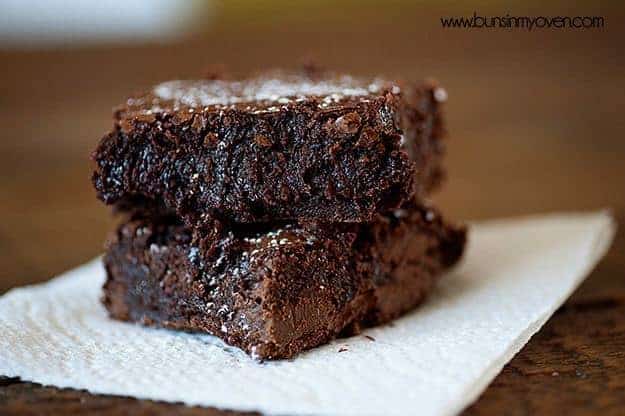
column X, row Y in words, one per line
column 434, row 361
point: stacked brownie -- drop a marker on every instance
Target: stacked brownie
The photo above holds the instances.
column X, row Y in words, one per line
column 275, row 212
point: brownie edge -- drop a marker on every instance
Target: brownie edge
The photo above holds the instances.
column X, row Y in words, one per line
column 275, row 291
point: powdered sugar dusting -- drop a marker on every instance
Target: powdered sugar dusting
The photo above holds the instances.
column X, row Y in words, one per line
column 200, row 93
column 440, row 95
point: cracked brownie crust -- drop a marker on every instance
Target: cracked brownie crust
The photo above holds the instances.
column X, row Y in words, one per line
column 278, row 146
column 276, row 290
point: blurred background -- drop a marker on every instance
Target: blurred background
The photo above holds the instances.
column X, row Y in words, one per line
column 535, row 117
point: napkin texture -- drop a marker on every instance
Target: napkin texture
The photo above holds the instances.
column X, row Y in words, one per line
column 435, row 361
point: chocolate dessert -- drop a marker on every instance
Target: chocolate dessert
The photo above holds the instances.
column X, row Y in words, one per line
column 275, row 291
column 275, row 212
column 277, row 146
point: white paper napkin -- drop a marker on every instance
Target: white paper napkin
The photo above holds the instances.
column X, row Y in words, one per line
column 434, row 361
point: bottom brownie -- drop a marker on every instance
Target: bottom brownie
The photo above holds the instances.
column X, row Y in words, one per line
column 276, row 291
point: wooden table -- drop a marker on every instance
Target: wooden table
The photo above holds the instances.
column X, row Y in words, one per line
column 536, row 122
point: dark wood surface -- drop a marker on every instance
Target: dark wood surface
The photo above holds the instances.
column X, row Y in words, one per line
column 536, row 122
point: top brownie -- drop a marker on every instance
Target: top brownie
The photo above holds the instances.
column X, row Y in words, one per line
column 277, row 146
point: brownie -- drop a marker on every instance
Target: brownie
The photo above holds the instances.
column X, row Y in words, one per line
column 275, row 290
column 301, row 146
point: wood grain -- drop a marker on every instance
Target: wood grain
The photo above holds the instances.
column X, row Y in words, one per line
column 536, row 125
